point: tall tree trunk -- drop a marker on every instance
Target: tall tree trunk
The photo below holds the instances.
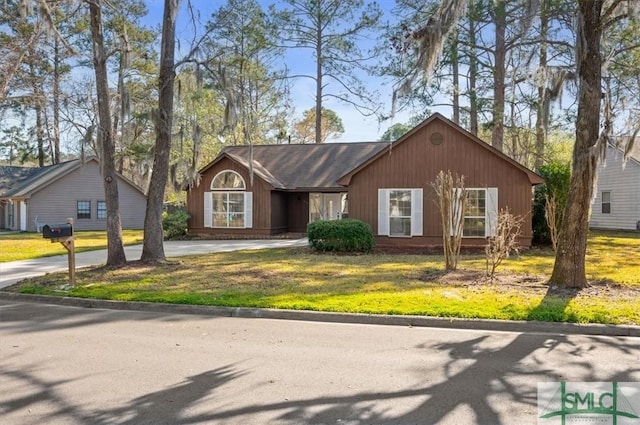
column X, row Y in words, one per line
column 318, row 78
column 40, row 122
column 543, row 102
column 456, row 77
column 569, row 267
column 153, row 249
column 115, row 250
column 497, row 136
column 40, row 132
column 56, row 102
column 473, row 74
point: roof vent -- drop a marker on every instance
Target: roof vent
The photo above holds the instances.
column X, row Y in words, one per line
column 436, row 138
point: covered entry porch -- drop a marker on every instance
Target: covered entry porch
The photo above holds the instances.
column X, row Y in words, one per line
column 303, row 208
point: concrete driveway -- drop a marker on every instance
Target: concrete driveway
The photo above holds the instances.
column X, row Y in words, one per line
column 14, row 271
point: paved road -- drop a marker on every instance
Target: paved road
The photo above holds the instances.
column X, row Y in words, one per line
column 14, row 271
column 67, row 365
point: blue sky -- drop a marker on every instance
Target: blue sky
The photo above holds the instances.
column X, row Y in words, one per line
column 357, row 127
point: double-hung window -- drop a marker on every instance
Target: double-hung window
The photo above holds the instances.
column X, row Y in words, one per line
column 228, row 204
column 481, row 213
column 101, row 210
column 83, row 209
column 400, row 212
column 606, row 202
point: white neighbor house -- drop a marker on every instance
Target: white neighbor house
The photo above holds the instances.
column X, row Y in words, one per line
column 616, row 204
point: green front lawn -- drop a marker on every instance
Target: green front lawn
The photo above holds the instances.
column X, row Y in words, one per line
column 25, row 246
column 377, row 283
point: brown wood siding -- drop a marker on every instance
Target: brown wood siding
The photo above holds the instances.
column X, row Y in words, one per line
column 261, row 202
column 416, row 162
column 298, row 211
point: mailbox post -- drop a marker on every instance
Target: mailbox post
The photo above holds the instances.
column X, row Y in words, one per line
column 63, row 233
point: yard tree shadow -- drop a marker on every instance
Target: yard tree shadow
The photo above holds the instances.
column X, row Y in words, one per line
column 553, row 306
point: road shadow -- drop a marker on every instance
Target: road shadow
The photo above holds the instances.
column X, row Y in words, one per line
column 481, row 375
column 166, row 406
column 20, row 317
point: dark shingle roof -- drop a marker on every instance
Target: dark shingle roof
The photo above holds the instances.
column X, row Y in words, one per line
column 11, row 177
column 23, row 181
column 304, row 166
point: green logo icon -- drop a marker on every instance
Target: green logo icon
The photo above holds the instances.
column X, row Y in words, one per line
column 585, row 402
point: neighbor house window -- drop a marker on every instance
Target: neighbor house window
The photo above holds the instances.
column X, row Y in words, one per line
column 11, row 214
column 101, row 210
column 400, row 212
column 228, row 205
column 83, row 209
column 481, row 213
column 606, row 202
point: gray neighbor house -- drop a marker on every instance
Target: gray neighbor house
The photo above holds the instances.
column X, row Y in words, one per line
column 31, row 197
column 616, row 201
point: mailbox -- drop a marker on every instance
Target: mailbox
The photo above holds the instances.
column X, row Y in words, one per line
column 55, row 231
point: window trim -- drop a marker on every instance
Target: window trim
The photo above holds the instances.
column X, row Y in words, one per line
column 244, row 184
column 484, row 217
column 247, row 204
column 78, row 217
column 98, row 210
column 384, row 216
column 491, row 212
column 391, row 217
column 602, row 203
column 226, row 194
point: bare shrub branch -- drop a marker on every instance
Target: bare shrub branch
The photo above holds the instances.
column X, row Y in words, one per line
column 500, row 246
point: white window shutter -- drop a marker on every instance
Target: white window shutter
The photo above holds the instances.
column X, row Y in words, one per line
column 456, row 214
column 491, row 220
column 383, row 212
column 248, row 210
column 208, row 209
column 416, row 212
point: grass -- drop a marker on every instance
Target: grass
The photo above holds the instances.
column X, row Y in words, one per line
column 25, row 246
column 297, row 278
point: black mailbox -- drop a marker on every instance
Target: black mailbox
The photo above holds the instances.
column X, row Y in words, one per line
column 54, row 231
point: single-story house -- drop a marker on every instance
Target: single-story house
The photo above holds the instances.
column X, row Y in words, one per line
column 616, row 204
column 273, row 189
column 33, row 196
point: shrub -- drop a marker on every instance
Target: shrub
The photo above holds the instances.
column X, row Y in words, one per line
column 557, row 176
column 500, row 246
column 348, row 235
column 174, row 224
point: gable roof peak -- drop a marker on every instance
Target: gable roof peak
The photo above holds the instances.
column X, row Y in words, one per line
column 533, row 177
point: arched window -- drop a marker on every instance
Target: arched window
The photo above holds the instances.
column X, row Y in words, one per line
column 228, row 180
column 228, row 205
